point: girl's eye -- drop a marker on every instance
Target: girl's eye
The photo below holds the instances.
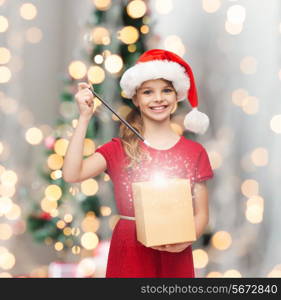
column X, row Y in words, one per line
column 168, row 90
column 147, row 92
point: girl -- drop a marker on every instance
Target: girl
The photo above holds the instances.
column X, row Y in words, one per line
column 155, row 84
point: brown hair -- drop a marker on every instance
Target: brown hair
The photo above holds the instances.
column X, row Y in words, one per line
column 130, row 141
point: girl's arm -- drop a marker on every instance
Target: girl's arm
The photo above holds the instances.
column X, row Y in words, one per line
column 75, row 169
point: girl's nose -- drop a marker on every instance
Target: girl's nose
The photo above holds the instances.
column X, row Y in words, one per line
column 158, row 96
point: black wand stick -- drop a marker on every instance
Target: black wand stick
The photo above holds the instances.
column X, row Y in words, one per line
column 119, row 117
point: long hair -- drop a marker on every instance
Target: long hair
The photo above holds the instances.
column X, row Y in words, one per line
column 130, row 141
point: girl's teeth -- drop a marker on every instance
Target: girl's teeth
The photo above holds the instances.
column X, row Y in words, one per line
column 160, row 107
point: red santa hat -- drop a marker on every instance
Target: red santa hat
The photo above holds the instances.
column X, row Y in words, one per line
column 159, row 63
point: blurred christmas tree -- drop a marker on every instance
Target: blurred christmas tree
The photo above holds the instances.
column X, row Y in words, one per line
column 69, row 215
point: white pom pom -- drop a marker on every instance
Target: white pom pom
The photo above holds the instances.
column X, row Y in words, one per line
column 196, row 121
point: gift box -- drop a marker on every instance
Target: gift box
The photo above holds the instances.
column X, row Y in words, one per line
column 163, row 212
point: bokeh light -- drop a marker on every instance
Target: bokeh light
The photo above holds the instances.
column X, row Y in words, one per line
column 34, row 136
column 89, row 187
column 238, row 96
column 5, row 55
column 55, row 161
column 163, row 7
column 236, row 14
column 128, row 35
column 255, row 209
column 48, row 205
column 89, row 240
column 7, row 260
column 200, row 257
column 275, row 124
column 60, row 146
column 33, row 35
column 211, row 6
column 9, row 177
column 221, row 240
column 53, row 192
column 89, row 147
column 100, row 36
column 249, row 188
column 14, row 212
column 96, row 74
column 77, row 69
column 259, row 157
column 102, row 4
column 136, row 9
column 250, row 105
column 5, row 74
column 113, row 63
column 174, row 43
column 90, row 223
column 232, row 273
column 233, row 29
column 248, row 65
column 28, row 11
column 215, row 159
column 5, row 231
column 4, row 24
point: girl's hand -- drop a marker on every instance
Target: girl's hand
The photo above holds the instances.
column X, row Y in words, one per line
column 85, row 100
column 179, row 247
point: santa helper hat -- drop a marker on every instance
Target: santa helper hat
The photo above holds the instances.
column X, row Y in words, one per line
column 159, row 63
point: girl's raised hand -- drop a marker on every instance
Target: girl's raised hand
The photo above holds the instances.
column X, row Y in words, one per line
column 85, row 100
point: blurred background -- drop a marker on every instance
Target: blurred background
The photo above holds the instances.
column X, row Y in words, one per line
column 49, row 228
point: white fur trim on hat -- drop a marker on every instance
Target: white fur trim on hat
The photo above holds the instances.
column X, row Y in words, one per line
column 196, row 121
column 156, row 69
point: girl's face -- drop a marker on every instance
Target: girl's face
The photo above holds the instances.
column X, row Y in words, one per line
column 156, row 99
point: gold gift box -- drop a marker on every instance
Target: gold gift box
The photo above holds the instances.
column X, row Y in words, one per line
column 164, row 212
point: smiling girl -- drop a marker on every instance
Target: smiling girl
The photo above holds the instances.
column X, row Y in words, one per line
column 155, row 84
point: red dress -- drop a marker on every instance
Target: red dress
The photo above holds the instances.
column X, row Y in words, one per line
column 128, row 257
